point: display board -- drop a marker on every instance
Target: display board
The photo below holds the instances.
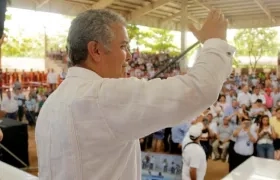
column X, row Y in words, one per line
column 156, row 166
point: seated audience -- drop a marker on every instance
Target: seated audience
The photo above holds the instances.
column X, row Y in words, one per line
column 223, row 137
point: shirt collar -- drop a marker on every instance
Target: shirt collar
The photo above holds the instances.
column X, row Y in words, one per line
column 82, row 73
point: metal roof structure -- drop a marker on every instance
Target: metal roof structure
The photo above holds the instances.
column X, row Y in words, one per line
column 167, row 13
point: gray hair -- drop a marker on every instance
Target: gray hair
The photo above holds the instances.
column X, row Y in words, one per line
column 91, row 25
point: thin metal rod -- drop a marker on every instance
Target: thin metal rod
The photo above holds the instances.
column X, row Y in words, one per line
column 175, row 60
column 12, row 154
column 29, row 168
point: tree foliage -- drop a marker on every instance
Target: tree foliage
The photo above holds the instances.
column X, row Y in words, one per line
column 8, row 17
column 159, row 40
column 56, row 42
column 23, row 47
column 256, row 43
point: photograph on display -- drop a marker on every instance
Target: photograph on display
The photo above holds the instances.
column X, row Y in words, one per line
column 156, row 166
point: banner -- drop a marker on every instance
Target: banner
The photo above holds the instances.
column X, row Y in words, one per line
column 156, row 166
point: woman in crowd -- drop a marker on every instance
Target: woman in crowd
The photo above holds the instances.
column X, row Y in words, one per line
column 222, row 102
column 266, row 134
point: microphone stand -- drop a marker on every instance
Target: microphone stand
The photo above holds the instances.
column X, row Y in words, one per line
column 175, row 60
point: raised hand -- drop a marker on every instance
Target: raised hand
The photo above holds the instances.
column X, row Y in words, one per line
column 215, row 26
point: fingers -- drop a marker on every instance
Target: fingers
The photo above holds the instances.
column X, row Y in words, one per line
column 216, row 15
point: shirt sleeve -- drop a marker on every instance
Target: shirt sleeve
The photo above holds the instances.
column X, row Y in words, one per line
column 134, row 108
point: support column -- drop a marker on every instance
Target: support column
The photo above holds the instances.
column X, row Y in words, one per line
column 184, row 23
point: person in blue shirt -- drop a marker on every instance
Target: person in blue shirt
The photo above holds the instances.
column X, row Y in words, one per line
column 232, row 112
column 177, row 135
column 30, row 106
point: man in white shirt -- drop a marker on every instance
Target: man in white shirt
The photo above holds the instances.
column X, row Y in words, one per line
column 257, row 95
column 244, row 97
column 194, row 157
column 10, row 106
column 52, row 79
column 89, row 127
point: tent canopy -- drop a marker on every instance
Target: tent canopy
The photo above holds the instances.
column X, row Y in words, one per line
column 167, row 13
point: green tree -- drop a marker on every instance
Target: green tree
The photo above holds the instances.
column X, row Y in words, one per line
column 57, row 42
column 8, row 17
column 256, row 43
column 23, row 47
column 159, row 40
column 135, row 33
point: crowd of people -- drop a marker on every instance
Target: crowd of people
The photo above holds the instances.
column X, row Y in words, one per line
column 143, row 65
column 30, row 79
column 244, row 122
column 26, row 92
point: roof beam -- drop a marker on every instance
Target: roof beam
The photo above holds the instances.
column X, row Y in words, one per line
column 39, row 5
column 101, row 4
column 202, row 5
column 265, row 10
column 169, row 18
column 146, row 9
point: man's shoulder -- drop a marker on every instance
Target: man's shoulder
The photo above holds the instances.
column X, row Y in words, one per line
column 272, row 119
column 191, row 149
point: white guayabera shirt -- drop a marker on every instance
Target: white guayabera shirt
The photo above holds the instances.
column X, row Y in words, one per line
column 88, row 129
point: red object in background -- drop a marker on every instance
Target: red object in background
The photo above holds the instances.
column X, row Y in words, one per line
column 15, row 77
column 7, row 78
column 268, row 90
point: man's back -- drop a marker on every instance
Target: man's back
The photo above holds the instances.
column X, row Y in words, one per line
column 74, row 145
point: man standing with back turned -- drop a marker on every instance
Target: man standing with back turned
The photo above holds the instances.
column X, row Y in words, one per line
column 88, row 129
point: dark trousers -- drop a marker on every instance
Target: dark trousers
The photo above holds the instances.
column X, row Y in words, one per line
column 167, row 135
column 174, row 148
column 238, row 160
column 231, row 154
column 143, row 144
column 20, row 113
column 30, row 117
column 207, row 148
column 11, row 115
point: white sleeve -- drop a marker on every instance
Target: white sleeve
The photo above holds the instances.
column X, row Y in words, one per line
column 134, row 108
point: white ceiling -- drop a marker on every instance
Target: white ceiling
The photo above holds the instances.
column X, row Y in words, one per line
column 167, row 13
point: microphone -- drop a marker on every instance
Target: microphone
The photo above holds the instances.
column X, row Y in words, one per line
column 178, row 58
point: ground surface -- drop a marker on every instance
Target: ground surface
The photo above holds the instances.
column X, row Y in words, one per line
column 216, row 170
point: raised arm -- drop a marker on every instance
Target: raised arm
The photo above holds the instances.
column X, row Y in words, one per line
column 138, row 108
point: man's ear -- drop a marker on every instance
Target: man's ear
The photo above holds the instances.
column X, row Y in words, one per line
column 94, row 50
